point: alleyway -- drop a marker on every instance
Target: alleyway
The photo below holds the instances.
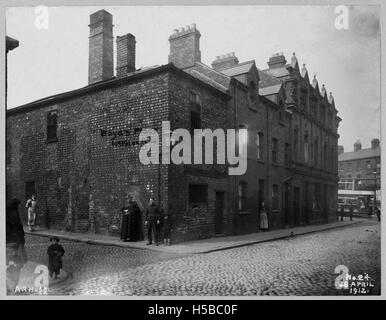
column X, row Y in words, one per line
column 303, row 265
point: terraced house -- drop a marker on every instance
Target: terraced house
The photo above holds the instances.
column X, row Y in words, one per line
column 78, row 151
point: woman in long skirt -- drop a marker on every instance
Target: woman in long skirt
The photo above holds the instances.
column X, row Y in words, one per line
column 130, row 219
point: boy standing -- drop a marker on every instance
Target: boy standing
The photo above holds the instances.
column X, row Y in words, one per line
column 55, row 253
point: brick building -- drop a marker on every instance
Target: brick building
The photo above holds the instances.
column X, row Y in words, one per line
column 78, row 151
column 360, row 176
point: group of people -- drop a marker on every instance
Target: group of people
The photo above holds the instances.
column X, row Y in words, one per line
column 156, row 222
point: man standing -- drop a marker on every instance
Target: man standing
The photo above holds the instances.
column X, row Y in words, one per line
column 30, row 205
column 351, row 213
column 152, row 222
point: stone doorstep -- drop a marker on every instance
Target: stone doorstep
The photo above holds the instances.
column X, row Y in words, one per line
column 198, row 246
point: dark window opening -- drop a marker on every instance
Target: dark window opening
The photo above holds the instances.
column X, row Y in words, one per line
column 286, row 154
column 29, row 189
column 242, row 193
column 275, row 197
column 52, row 126
column 274, row 150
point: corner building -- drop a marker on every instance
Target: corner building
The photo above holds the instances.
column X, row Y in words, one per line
column 78, row 150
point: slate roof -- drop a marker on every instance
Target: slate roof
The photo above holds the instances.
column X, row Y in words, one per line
column 360, row 154
column 277, row 72
column 238, row 69
column 268, row 84
column 210, row 76
column 270, row 90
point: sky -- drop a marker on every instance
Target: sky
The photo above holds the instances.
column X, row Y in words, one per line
column 54, row 60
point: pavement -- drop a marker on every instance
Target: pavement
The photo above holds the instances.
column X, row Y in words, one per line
column 194, row 247
column 305, row 265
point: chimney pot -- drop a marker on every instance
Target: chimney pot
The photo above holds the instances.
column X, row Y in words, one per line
column 125, row 55
column 101, row 60
column 185, row 47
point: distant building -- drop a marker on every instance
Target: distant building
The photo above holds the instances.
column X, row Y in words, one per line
column 359, row 175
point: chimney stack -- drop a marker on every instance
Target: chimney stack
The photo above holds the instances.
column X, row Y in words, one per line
column 375, row 143
column 101, row 61
column 185, row 47
column 125, row 55
column 340, row 150
column 357, row 146
column 277, row 61
column 225, row 61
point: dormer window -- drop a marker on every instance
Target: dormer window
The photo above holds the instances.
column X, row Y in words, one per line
column 252, row 91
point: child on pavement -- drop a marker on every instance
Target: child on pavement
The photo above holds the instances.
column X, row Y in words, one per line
column 55, row 253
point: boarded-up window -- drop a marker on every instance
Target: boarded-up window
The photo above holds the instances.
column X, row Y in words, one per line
column 198, row 194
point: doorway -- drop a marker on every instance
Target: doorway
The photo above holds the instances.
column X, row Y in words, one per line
column 297, row 209
column 219, row 214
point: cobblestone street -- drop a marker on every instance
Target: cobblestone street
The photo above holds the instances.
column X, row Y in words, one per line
column 303, row 265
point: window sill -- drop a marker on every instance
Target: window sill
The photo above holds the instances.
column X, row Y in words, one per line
column 196, row 205
column 53, row 140
column 276, row 210
column 241, row 213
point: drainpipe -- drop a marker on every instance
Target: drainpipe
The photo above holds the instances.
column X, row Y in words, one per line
column 235, row 176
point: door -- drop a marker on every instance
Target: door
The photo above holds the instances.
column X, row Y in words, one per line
column 29, row 189
column 297, row 208
column 286, row 204
column 219, row 215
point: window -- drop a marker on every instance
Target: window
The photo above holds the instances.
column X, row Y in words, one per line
column 296, row 140
column 8, row 153
column 195, row 111
column 52, row 126
column 281, row 111
column 274, row 150
column 29, row 189
column 198, row 194
column 275, row 197
column 260, row 145
column 316, row 196
column 242, row 193
column 252, row 91
column 306, row 150
column 316, row 152
column 325, row 157
column 286, row 154
column 241, row 141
